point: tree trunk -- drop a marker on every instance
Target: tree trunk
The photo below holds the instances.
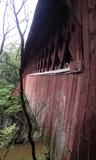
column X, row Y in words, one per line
column 24, row 106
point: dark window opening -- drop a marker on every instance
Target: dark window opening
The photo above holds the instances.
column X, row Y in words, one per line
column 60, row 46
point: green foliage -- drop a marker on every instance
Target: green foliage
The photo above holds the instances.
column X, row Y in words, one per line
column 41, row 157
column 9, row 76
column 8, row 67
column 8, row 103
column 7, row 136
column 43, row 153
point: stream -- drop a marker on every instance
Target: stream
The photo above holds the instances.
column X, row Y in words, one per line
column 23, row 152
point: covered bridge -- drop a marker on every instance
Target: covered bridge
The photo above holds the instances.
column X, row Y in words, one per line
column 59, row 71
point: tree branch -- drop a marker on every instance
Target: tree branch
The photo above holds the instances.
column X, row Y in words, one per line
column 4, row 17
column 21, row 7
column 2, row 45
column 7, row 151
column 10, row 64
column 4, row 35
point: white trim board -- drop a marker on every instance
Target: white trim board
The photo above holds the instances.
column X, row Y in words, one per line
column 52, row 72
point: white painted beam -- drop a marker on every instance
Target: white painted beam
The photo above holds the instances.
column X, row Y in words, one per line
column 52, row 72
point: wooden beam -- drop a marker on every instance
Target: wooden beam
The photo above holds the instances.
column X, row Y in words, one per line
column 69, row 7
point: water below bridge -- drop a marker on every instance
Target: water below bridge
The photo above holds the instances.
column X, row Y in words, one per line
column 23, row 152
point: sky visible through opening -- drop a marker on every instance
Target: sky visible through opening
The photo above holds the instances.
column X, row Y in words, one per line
column 13, row 36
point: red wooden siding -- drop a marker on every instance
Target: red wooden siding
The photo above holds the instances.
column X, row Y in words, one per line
column 58, row 116
column 68, row 120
